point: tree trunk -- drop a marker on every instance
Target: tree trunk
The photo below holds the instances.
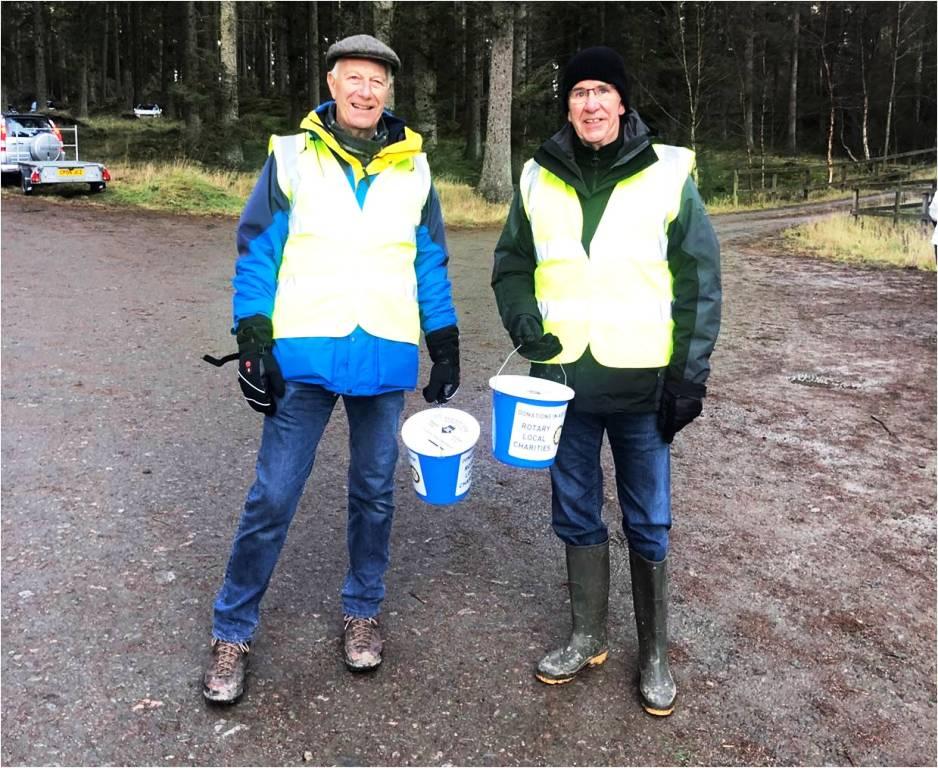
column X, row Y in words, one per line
column 892, row 86
column 104, row 43
column 166, row 60
column 748, row 81
column 828, row 66
column 39, row 43
column 519, row 78
column 136, row 48
column 917, row 81
column 384, row 25
column 313, row 75
column 495, row 183
column 228, row 51
column 296, row 66
column 475, row 63
column 762, row 111
column 691, row 61
column 191, row 111
column 265, row 50
column 282, row 55
column 793, row 84
column 116, row 47
column 749, row 53
column 520, row 52
column 424, row 79
column 865, row 125
column 83, row 77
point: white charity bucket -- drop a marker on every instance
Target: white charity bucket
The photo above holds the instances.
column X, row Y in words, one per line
column 440, row 443
column 527, row 418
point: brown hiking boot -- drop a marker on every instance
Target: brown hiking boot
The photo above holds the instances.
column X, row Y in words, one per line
column 224, row 677
column 363, row 644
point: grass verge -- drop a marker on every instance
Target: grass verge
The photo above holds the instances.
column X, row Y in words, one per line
column 180, row 187
column 868, row 241
column 187, row 187
column 465, row 208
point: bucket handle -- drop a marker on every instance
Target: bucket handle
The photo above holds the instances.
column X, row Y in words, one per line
column 562, row 369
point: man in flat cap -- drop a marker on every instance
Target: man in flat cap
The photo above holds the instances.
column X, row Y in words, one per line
column 607, row 275
column 342, row 263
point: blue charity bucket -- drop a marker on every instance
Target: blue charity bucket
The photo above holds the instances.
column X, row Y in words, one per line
column 441, row 442
column 527, row 418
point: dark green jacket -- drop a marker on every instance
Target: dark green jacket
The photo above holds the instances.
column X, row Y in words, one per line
column 693, row 258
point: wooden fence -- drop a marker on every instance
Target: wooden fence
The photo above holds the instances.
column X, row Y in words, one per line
column 775, row 182
column 909, row 200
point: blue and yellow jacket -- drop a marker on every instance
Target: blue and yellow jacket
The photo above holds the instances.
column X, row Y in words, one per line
column 359, row 363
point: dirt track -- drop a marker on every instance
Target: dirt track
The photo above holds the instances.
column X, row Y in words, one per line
column 803, row 618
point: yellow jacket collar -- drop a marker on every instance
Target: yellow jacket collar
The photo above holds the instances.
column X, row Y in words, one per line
column 392, row 154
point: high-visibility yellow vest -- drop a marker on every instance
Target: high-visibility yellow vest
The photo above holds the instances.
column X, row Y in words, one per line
column 345, row 265
column 617, row 299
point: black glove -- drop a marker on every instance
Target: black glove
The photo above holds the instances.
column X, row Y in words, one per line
column 527, row 331
column 258, row 372
column 443, row 345
column 681, row 403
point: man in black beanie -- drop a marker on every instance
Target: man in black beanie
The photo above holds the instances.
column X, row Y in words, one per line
column 607, row 275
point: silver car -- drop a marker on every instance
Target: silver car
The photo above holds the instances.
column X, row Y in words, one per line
column 27, row 137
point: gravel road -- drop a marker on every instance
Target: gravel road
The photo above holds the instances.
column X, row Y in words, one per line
column 803, row 555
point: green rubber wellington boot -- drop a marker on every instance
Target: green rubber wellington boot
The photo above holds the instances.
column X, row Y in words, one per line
column 650, row 598
column 588, row 580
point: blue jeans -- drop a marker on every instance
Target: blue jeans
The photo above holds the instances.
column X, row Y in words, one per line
column 286, row 456
column 643, row 481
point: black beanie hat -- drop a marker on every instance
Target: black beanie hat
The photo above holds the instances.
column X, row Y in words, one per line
column 599, row 63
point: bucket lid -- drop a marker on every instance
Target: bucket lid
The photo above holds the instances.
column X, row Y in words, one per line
column 531, row 388
column 440, row 432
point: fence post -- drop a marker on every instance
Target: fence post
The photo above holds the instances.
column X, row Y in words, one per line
column 735, row 187
column 807, row 181
column 751, row 187
column 774, row 186
column 856, row 203
column 843, row 177
column 925, row 217
column 895, row 210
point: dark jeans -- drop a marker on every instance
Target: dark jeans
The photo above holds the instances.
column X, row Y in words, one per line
column 643, row 481
column 284, row 462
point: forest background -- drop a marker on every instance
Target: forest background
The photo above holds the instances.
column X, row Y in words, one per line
column 479, row 80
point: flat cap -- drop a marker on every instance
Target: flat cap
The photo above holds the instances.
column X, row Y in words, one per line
column 362, row 47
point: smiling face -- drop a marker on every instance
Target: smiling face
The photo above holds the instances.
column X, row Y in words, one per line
column 360, row 89
column 595, row 116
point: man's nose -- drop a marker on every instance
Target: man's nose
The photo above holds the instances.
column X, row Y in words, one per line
column 592, row 101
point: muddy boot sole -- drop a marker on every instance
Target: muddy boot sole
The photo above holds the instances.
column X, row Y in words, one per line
column 593, row 661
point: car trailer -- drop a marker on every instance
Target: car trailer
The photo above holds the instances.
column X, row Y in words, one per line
column 34, row 173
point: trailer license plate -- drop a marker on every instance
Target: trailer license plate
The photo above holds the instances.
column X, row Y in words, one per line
column 71, row 171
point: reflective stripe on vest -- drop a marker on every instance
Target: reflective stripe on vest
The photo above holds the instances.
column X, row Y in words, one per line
column 345, row 265
column 616, row 300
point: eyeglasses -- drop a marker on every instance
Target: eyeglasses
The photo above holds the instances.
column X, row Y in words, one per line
column 601, row 92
